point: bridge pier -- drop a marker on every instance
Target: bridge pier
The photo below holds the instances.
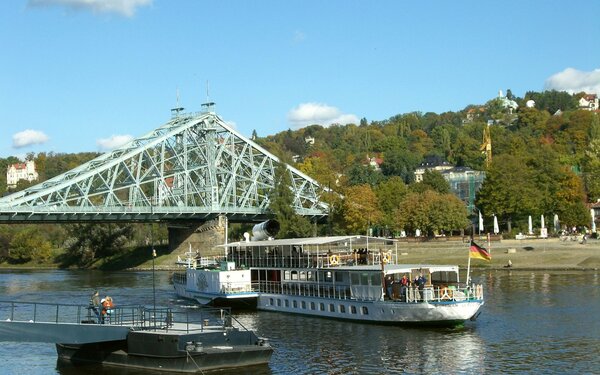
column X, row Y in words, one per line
column 202, row 238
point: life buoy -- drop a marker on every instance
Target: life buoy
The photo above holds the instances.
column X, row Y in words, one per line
column 334, row 260
column 386, row 258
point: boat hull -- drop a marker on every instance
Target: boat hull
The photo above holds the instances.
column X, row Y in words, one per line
column 174, row 353
column 449, row 313
column 237, row 301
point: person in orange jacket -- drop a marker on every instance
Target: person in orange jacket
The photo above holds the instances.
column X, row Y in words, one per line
column 107, row 307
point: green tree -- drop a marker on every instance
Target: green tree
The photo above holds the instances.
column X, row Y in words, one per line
column 390, row 195
column 29, row 244
column 281, row 205
column 87, row 242
column 361, row 209
column 509, row 190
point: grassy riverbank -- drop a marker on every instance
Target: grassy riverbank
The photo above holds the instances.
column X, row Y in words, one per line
column 524, row 254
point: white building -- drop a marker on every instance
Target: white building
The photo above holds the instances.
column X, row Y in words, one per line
column 20, row 171
column 589, row 102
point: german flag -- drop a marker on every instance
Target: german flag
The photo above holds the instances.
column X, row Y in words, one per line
column 479, row 252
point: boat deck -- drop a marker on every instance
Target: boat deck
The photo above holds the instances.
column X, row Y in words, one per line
column 76, row 324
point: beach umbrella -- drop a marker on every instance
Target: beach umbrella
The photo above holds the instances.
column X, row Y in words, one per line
column 480, row 223
column 593, row 221
column 496, row 229
column 556, row 223
column 530, row 226
column 543, row 225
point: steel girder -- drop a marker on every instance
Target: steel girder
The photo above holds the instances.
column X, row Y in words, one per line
column 194, row 167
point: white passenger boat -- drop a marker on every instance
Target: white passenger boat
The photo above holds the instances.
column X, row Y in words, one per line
column 215, row 282
column 353, row 278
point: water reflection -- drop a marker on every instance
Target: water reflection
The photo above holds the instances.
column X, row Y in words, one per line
column 532, row 322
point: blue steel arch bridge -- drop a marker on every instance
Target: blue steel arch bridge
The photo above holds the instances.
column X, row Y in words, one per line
column 193, row 168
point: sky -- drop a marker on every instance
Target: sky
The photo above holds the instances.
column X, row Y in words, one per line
column 89, row 75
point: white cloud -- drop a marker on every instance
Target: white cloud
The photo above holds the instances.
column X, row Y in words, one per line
column 125, row 8
column 107, row 144
column 29, row 137
column 316, row 113
column 574, row 81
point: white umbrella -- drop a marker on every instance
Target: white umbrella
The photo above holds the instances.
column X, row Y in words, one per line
column 530, row 226
column 556, row 223
column 543, row 225
column 496, row 229
column 481, row 223
column 593, row 221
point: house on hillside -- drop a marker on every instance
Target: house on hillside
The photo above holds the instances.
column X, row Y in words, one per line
column 374, row 162
column 589, row 102
column 20, row 171
column 464, row 182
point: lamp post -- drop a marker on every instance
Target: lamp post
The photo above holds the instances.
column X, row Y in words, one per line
column 153, row 257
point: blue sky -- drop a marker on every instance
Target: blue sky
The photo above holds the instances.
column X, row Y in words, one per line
column 84, row 75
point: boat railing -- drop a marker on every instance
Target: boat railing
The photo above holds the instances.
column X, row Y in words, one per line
column 135, row 317
column 409, row 295
column 313, row 260
column 233, row 287
column 305, row 289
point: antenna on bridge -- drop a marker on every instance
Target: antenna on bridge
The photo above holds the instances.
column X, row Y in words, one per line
column 206, row 107
column 175, row 111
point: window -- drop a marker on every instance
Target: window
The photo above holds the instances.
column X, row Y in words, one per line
column 364, row 278
column 339, row 277
column 322, row 306
column 312, row 305
column 365, row 310
column 331, row 307
column 287, row 303
column 342, row 309
column 303, row 304
column 286, row 275
column 295, row 304
column 271, row 301
column 353, row 309
column 355, row 278
column 328, row 276
column 279, row 302
column 302, row 275
column 294, row 275
column 309, row 275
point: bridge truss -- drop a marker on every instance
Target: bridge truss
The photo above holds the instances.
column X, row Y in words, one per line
column 194, row 167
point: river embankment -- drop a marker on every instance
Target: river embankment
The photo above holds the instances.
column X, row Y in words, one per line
column 531, row 253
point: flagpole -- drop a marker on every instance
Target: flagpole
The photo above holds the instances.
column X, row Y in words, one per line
column 468, row 266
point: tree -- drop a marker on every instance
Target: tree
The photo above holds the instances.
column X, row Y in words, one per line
column 361, row 210
column 431, row 212
column 87, row 242
column 432, row 180
column 509, row 190
column 400, row 162
column 390, row 195
column 291, row 225
column 29, row 244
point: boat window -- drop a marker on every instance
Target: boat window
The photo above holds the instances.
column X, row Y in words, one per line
column 286, row 275
column 376, row 279
column 287, row 303
column 364, row 278
column 328, row 276
column 302, row 275
column 303, row 304
column 355, row 278
column 322, row 306
column 294, row 275
column 279, row 302
column 339, row 277
column 295, row 304
column 342, row 308
column 331, row 307
column 365, row 310
column 312, row 305
column 309, row 275
column 353, row 309
column 271, row 301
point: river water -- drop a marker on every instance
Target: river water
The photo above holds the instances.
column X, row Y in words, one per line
column 532, row 322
